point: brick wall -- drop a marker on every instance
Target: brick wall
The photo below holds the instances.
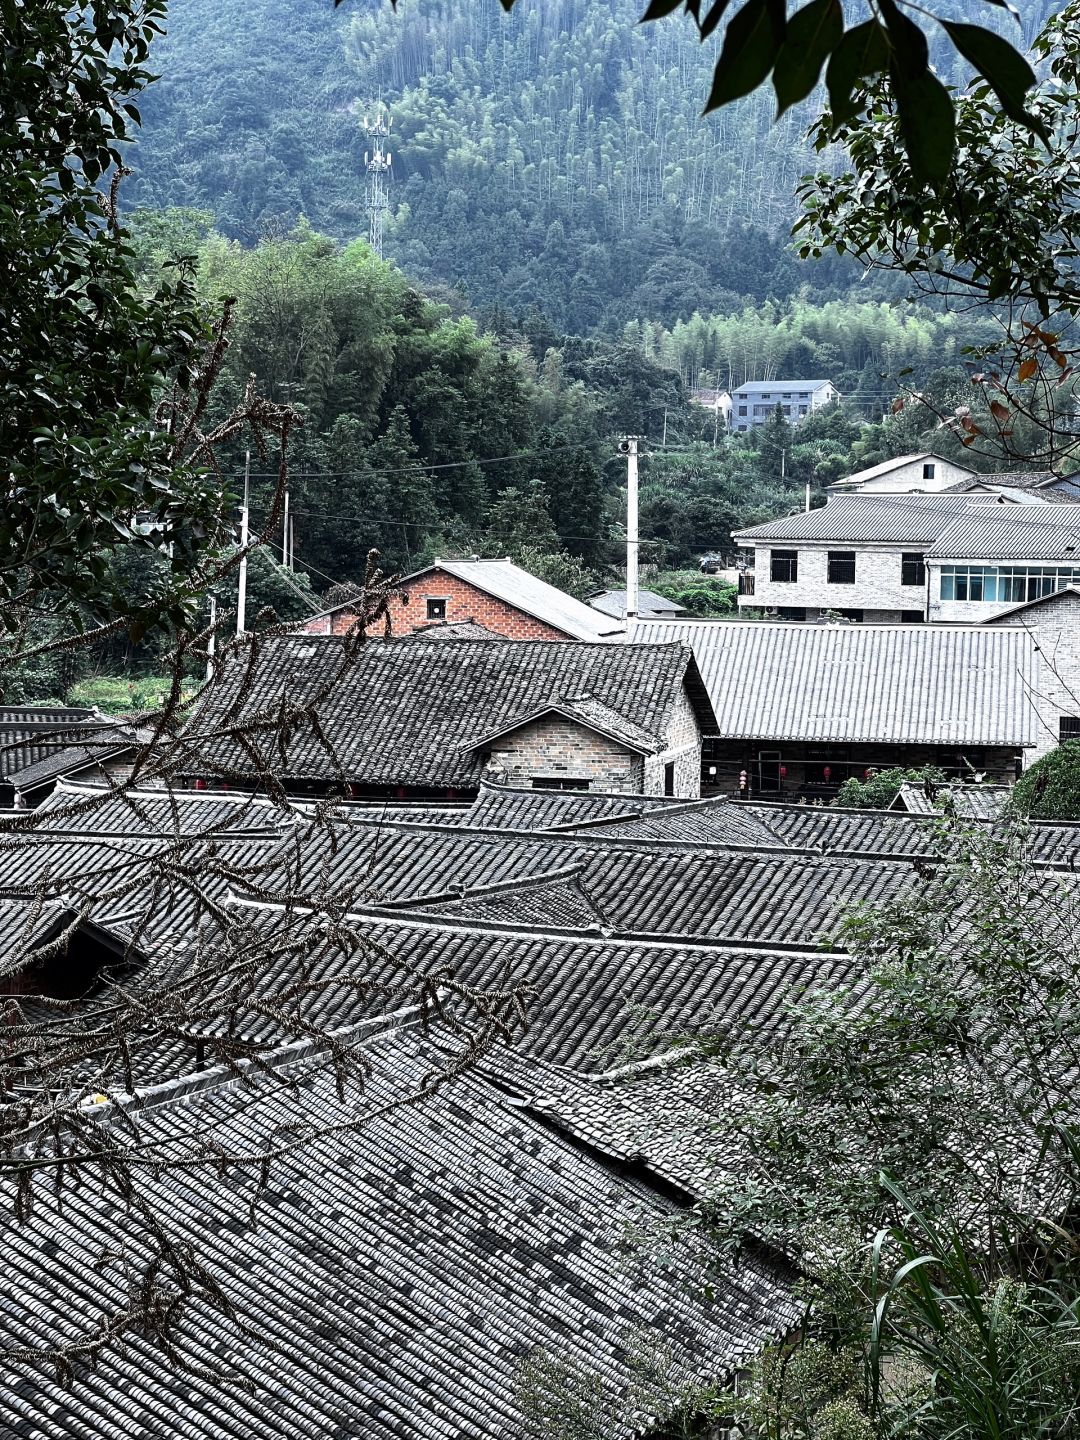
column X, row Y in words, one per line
column 684, row 751
column 1055, row 626
column 555, row 748
column 463, row 602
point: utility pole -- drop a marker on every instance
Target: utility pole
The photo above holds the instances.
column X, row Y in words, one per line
column 378, row 162
column 241, row 603
column 285, row 535
column 629, row 447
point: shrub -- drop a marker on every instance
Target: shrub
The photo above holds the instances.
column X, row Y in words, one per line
column 881, row 789
column 1050, row 790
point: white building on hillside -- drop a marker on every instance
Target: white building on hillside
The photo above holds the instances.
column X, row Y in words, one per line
column 924, row 473
column 909, row 558
column 752, row 404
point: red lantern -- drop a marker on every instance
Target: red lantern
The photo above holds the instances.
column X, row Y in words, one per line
column 783, row 772
column 742, row 780
column 827, row 772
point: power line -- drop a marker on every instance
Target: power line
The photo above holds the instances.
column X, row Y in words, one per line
column 413, row 469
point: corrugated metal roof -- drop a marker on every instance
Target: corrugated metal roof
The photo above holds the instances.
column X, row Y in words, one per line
column 1041, row 535
column 757, row 386
column 507, row 581
column 904, row 519
column 613, row 603
column 902, row 684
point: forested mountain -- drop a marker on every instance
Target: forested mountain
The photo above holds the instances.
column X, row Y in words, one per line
column 554, row 159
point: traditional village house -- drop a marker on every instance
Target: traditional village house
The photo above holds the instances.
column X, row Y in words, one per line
column 41, row 743
column 496, row 594
column 651, row 606
column 1053, row 624
column 416, row 719
column 800, row 708
column 909, row 558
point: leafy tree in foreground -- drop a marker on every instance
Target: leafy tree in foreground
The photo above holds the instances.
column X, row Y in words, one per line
column 1001, row 229
column 932, row 1104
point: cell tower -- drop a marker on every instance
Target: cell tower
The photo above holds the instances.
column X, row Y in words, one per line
column 379, row 165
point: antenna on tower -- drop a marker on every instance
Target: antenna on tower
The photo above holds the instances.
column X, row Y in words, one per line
column 379, row 165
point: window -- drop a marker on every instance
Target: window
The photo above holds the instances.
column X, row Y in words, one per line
column 841, row 567
column 792, row 612
column 436, row 608
column 784, row 567
column 802, row 409
column 558, row 782
column 1005, row 584
column 855, row 615
column 928, row 472
column 742, row 409
column 912, row 617
column 1069, row 727
column 786, row 409
column 912, row 570
column 787, row 396
column 669, row 778
column 766, row 395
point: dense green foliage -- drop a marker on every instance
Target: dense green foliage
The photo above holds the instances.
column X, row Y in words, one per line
column 953, row 1075
column 1050, row 790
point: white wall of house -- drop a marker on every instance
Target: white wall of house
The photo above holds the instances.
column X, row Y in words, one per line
column 1055, row 625
column 755, row 407
column 878, row 590
column 910, row 478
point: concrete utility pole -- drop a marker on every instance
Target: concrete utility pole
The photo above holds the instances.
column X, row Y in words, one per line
column 211, row 644
column 285, row 535
column 629, row 447
column 379, row 165
column 241, row 603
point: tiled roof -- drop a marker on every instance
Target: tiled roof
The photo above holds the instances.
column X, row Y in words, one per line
column 1042, row 535
column 970, row 802
column 837, row 832
column 691, row 890
column 1010, row 479
column 594, row 998
column 407, row 712
column 613, row 602
column 399, row 1272
column 32, row 736
column 91, row 748
column 903, row 684
column 713, row 821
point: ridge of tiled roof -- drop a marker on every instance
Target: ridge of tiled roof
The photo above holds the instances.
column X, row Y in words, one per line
column 585, row 710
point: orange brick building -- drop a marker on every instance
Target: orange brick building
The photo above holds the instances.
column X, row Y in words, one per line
column 496, row 594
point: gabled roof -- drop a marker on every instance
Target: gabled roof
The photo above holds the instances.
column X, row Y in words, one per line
column 410, row 712
column 505, row 581
column 582, row 710
column 613, row 603
column 399, row 1271
column 886, row 467
column 890, row 684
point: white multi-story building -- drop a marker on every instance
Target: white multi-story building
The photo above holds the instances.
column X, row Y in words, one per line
column 910, row 559
column 752, row 404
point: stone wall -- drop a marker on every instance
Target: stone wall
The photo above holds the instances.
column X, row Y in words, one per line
column 462, row 602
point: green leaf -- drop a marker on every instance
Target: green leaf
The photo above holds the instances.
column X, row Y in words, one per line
column 862, row 51
column 927, row 123
column 751, row 44
column 1008, row 73
column 812, row 34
